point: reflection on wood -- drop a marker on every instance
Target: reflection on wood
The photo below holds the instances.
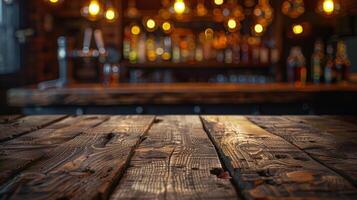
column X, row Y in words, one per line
column 265, row 166
column 85, row 167
column 174, row 162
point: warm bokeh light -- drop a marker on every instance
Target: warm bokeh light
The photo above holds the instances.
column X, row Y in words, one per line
column 209, row 34
column 166, row 26
column 218, row 2
column 258, row 28
column 328, row 6
column 179, row 6
column 298, row 29
column 54, row 1
column 94, row 8
column 110, row 14
column 135, row 30
column 150, row 23
column 232, row 24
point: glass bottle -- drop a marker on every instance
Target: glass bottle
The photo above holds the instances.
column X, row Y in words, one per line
column 329, row 65
column 342, row 62
column 317, row 62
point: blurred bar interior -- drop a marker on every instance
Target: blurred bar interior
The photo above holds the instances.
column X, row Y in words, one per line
column 178, row 56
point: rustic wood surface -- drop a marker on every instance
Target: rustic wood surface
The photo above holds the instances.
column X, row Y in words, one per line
column 265, row 166
column 181, row 93
column 332, row 142
column 25, row 125
column 174, row 162
column 178, row 157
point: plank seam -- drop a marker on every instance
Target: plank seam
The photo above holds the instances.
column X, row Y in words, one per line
column 310, row 156
column 118, row 178
column 226, row 164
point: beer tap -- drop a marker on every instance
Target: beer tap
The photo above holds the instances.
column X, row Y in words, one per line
column 63, row 55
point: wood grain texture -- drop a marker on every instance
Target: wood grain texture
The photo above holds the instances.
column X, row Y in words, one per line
column 85, row 167
column 174, row 162
column 331, row 142
column 16, row 155
column 265, row 166
column 181, row 93
column 25, row 125
column 4, row 119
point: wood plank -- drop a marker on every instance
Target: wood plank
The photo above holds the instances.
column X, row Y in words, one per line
column 337, row 143
column 18, row 154
column 331, row 142
column 4, row 119
column 174, row 162
column 85, row 167
column 265, row 166
column 25, row 125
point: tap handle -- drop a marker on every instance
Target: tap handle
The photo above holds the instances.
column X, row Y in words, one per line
column 98, row 36
column 88, row 32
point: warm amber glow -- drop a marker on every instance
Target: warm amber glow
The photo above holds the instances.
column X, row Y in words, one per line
column 94, row 8
column 179, row 6
column 110, row 14
column 232, row 24
column 150, row 23
column 53, row 1
column 298, row 29
column 166, row 26
column 135, row 30
column 328, row 6
column 258, row 28
column 218, row 2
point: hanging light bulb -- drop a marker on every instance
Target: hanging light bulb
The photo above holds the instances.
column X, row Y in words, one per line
column 218, row 2
column 150, row 24
column 258, row 28
column 110, row 14
column 329, row 7
column 179, row 6
column 93, row 10
column 166, row 27
column 297, row 29
column 54, row 2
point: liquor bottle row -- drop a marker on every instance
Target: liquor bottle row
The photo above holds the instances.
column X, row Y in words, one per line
column 186, row 47
column 328, row 66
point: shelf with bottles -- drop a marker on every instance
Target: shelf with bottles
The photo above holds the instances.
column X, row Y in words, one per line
column 194, row 65
column 330, row 66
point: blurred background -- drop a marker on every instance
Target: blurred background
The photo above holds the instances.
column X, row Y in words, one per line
column 178, row 56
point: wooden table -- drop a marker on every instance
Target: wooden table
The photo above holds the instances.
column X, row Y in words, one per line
column 178, row 157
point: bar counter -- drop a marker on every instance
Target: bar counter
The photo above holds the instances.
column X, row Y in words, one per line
column 202, row 93
column 178, row 157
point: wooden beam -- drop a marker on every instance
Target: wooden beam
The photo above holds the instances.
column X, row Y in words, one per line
column 265, row 166
column 174, row 162
column 86, row 167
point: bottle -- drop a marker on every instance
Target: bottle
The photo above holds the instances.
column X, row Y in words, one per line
column 317, row 62
column 342, row 62
column 329, row 65
column 296, row 66
column 301, row 70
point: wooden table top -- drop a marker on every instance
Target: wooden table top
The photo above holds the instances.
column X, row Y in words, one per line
column 181, row 93
column 178, row 157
